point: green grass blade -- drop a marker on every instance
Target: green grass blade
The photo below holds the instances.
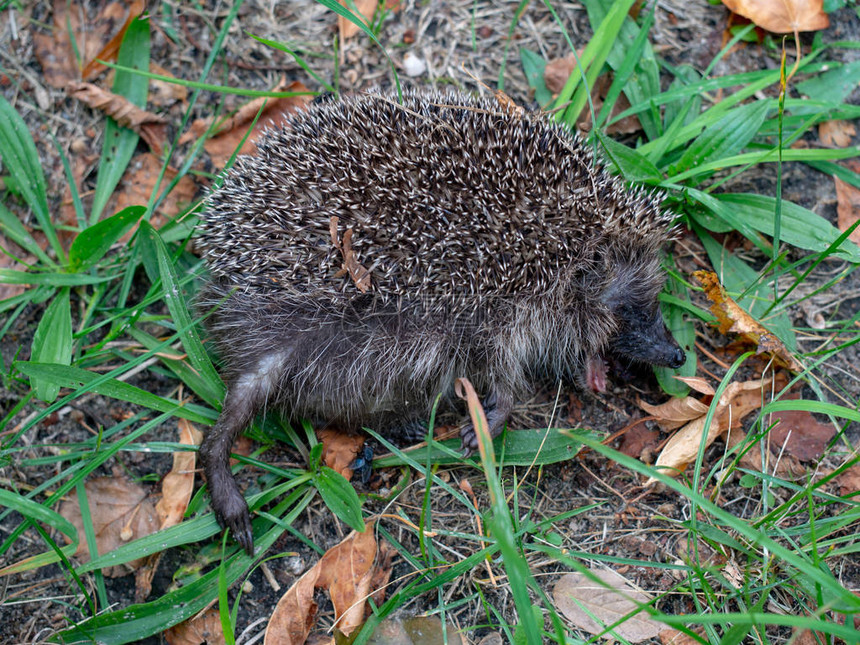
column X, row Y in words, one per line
column 727, row 136
column 21, row 159
column 12, row 227
column 52, row 343
column 75, row 377
column 185, row 326
column 120, row 143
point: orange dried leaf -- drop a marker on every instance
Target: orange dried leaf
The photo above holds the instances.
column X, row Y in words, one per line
column 557, row 71
column 340, row 449
column 347, row 28
column 847, row 208
column 178, row 484
column 294, row 615
column 738, row 400
column 111, row 49
column 360, row 276
column 231, row 132
column 782, row 16
column 202, row 628
column 345, row 571
column 733, row 318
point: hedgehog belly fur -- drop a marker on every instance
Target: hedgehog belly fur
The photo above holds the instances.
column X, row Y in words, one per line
column 496, row 246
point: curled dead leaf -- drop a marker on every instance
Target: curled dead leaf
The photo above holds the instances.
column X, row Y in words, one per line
column 360, row 276
column 151, row 127
column 732, row 318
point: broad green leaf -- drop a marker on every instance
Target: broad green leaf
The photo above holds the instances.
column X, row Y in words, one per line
column 628, row 162
column 21, row 160
column 833, row 85
column 514, row 448
column 119, row 142
column 52, row 343
column 93, row 242
column 724, row 138
column 75, row 377
column 339, row 495
column 800, row 227
column 534, row 66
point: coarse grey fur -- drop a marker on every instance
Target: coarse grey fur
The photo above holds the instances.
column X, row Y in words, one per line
column 497, row 248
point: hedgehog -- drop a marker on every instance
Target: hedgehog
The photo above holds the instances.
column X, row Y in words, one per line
column 377, row 247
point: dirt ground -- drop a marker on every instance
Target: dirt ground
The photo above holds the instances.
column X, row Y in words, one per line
column 458, row 42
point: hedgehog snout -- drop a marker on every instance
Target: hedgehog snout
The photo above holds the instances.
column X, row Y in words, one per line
column 645, row 338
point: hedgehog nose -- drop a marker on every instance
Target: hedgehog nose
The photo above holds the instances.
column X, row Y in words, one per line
column 677, row 358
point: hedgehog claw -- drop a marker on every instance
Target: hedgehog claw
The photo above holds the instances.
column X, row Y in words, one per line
column 497, row 408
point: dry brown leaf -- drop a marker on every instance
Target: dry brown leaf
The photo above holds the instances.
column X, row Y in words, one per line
column 111, row 49
column 231, row 132
column 347, row 28
column 139, row 181
column 608, row 603
column 638, row 441
column 360, row 276
column 164, row 93
column 738, row 400
column 345, row 571
column 54, row 51
column 428, row 630
column 340, row 449
column 675, row 412
column 800, row 435
column 788, row 467
column 151, row 127
column 697, row 384
column 202, row 628
column 294, row 615
column 120, row 513
column 178, row 484
column 557, row 71
column 847, row 207
column 836, row 133
column 849, row 481
column 782, row 16
column 733, row 318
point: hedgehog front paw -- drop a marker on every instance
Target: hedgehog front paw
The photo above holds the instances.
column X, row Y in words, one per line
column 231, row 511
column 497, row 409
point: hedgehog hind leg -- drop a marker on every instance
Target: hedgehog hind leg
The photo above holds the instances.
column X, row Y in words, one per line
column 498, row 406
column 246, row 397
